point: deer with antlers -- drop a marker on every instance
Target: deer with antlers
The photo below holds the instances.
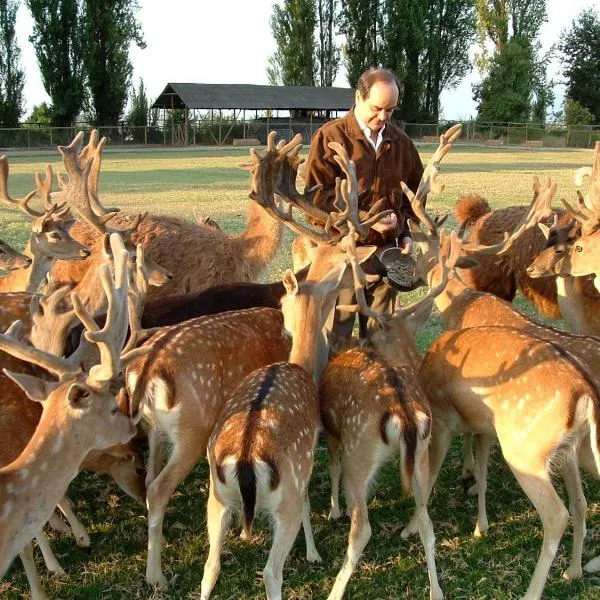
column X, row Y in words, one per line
column 187, row 250
column 261, row 451
column 80, row 413
column 49, row 240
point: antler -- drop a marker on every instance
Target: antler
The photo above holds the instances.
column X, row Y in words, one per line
column 20, row 203
column 428, row 181
column 111, row 338
column 540, row 208
column 44, row 189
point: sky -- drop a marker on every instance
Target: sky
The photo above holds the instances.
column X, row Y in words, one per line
column 229, row 41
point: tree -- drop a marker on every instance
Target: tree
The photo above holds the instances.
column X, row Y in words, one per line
column 109, row 27
column 12, row 78
column 361, row 21
column 328, row 53
column 506, row 94
column 575, row 114
column 57, row 39
column 139, row 107
column 293, row 27
column 41, row 114
column 499, row 20
column 580, row 49
column 427, row 45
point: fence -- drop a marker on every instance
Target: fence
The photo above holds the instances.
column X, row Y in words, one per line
column 224, row 132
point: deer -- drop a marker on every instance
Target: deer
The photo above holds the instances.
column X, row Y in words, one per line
column 49, row 239
column 261, row 450
column 191, row 368
column 386, row 412
column 11, row 260
column 187, row 250
column 79, row 413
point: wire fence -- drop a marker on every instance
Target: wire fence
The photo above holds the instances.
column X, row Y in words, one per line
column 255, row 132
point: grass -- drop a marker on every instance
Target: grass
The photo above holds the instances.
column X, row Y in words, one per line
column 499, row 566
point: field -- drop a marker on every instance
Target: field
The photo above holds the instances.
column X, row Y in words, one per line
column 498, row 567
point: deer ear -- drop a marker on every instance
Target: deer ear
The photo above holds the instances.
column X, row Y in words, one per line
column 364, row 252
column 36, row 389
column 290, row 282
column 79, row 396
column 68, row 223
column 415, row 232
column 545, row 230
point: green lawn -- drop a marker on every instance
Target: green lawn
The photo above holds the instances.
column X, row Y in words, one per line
column 497, row 567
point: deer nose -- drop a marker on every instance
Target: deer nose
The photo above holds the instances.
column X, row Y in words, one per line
column 28, row 260
column 85, row 252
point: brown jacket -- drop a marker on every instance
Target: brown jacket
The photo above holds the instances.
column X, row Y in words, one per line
column 379, row 174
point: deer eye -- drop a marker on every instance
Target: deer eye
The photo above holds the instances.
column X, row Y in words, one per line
column 54, row 236
column 134, row 259
column 578, row 248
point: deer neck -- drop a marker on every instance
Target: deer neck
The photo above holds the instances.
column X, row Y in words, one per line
column 261, row 239
column 307, row 329
column 572, row 303
column 27, row 280
column 453, row 301
column 49, row 462
column 397, row 345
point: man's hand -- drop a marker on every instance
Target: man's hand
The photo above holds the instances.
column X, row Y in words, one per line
column 406, row 245
column 386, row 224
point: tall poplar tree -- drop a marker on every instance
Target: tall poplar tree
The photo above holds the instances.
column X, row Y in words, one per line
column 109, row 27
column 293, row 27
column 328, row 53
column 12, row 78
column 57, row 40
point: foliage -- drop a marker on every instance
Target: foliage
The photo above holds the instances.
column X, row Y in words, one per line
column 505, row 95
column 293, row 27
column 428, row 49
column 500, row 20
column 41, row 114
column 12, row 77
column 543, row 90
column 328, row 53
column 57, row 39
column 361, row 21
column 109, row 27
column 580, row 49
column 575, row 114
column 139, row 106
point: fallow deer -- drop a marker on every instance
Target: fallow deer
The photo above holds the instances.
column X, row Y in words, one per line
column 80, row 413
column 10, row 259
column 190, row 370
column 188, row 251
column 261, row 450
column 49, row 239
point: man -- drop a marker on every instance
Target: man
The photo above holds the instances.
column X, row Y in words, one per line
column 384, row 155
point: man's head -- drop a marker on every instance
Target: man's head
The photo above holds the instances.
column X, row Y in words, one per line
column 377, row 93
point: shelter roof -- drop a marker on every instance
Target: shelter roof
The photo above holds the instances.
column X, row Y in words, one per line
column 253, row 97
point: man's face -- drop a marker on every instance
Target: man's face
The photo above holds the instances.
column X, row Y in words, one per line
column 377, row 108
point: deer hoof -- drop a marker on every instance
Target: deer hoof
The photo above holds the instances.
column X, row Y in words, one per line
column 158, row 582
column 334, row 513
column 313, row 557
column 593, row 565
column 480, row 531
column 572, row 573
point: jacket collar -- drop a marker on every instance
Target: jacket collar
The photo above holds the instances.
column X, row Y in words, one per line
column 353, row 128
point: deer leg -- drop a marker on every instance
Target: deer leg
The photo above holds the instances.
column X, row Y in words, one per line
column 538, row 487
column 483, row 446
column 156, row 454
column 58, row 524
column 360, row 528
column 184, row 458
column 82, row 539
column 441, row 437
column 50, row 559
column 312, row 554
column 286, row 524
column 26, row 555
column 577, row 508
column 426, row 533
column 468, row 459
column 335, row 469
column 217, row 523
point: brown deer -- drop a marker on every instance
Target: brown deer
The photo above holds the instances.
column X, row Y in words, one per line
column 49, row 239
column 10, row 259
column 190, row 370
column 188, row 251
column 373, row 407
column 80, row 413
column 261, row 450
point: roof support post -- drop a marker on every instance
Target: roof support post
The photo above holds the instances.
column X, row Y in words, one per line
column 186, row 112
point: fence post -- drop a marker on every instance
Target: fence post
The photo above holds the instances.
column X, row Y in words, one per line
column 590, row 137
column 508, row 134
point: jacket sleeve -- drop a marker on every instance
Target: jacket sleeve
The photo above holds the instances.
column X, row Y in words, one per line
column 321, row 169
column 412, row 180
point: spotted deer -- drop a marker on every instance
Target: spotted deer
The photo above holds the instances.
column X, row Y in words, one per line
column 80, row 413
column 261, row 450
column 49, row 240
column 191, row 368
